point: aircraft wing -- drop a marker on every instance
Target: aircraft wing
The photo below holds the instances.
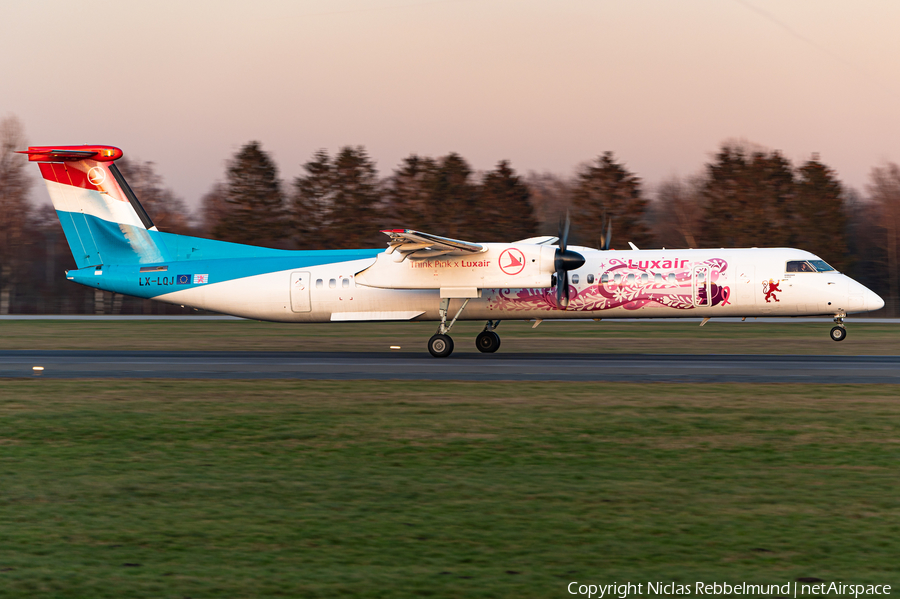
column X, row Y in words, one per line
column 542, row 240
column 419, row 246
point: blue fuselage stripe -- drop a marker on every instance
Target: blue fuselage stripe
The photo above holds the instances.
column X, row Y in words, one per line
column 124, row 250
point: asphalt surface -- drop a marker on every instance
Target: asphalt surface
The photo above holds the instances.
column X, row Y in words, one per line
column 458, row 367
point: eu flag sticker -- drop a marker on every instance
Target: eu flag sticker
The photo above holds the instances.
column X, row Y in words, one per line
column 184, row 279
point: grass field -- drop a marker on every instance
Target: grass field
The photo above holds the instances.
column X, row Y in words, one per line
column 345, row 489
column 550, row 337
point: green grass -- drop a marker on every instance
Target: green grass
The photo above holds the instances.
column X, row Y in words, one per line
column 334, row 489
column 549, row 337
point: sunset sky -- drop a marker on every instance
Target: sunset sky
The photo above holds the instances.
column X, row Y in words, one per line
column 545, row 84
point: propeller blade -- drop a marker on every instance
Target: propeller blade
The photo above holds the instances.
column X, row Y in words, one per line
column 564, row 238
column 562, row 290
column 564, row 261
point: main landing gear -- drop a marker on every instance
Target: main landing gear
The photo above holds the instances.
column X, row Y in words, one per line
column 441, row 344
column 838, row 333
column 487, row 340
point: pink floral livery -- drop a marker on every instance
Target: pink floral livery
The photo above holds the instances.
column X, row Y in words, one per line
column 632, row 286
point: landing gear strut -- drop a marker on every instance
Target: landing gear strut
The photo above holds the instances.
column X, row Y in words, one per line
column 487, row 340
column 839, row 333
column 441, row 345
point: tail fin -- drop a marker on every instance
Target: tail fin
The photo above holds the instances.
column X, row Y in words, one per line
column 102, row 219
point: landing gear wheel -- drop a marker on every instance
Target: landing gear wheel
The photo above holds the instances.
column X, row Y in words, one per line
column 440, row 346
column 838, row 333
column 487, row 342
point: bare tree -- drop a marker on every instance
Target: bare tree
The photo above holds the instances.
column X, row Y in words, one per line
column 885, row 193
column 167, row 210
column 213, row 209
column 819, row 215
column 678, row 212
column 14, row 205
column 551, row 198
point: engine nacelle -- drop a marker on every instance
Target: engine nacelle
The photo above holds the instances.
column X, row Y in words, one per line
column 500, row 265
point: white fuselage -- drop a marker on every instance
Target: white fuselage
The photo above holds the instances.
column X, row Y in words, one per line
column 610, row 284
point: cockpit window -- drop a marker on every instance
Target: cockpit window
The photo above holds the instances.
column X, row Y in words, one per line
column 800, row 266
column 821, row 266
column 808, row 266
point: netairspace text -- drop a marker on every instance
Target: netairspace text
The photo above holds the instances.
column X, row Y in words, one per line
column 790, row 589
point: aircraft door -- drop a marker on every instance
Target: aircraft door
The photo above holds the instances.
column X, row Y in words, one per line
column 700, row 286
column 300, row 284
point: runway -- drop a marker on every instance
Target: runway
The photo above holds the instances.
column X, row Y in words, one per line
column 458, row 367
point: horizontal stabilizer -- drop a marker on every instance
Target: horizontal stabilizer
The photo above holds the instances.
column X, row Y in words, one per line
column 72, row 153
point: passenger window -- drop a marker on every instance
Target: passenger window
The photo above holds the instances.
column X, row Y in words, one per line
column 332, row 284
column 618, row 279
column 590, row 279
column 604, row 279
column 319, row 283
column 701, row 276
column 574, row 279
column 657, row 278
column 645, row 279
column 671, row 277
column 631, row 279
column 345, row 283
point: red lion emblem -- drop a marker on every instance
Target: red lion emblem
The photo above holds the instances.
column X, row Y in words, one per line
column 769, row 288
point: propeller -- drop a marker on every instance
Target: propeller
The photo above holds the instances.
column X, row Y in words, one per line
column 605, row 241
column 564, row 261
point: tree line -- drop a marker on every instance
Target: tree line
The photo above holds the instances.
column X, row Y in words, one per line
column 745, row 196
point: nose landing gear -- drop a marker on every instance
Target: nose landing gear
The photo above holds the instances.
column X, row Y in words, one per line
column 838, row 333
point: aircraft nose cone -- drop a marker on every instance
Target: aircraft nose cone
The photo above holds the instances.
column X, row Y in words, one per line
column 873, row 300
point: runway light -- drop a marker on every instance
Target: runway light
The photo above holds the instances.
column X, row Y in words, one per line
column 395, row 347
column 37, row 368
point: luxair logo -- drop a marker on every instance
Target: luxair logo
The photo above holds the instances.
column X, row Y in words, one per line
column 96, row 175
column 512, row 261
